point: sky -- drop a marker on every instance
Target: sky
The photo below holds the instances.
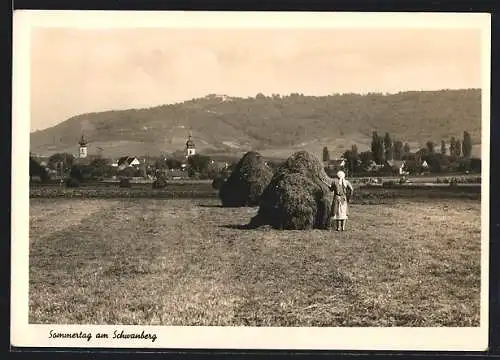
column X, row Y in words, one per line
column 75, row 71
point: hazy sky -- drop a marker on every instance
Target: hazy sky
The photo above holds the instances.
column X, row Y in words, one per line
column 76, row 71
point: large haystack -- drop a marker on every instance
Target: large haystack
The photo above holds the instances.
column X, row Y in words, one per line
column 297, row 197
column 247, row 181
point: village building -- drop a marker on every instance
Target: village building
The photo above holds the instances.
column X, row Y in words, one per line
column 190, row 147
column 127, row 161
column 397, row 166
column 83, row 147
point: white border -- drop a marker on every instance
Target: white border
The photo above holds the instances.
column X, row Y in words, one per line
column 23, row 334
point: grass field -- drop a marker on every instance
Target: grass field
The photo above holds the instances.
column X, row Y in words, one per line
column 186, row 262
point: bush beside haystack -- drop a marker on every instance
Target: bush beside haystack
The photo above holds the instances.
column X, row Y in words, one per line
column 247, row 182
column 297, row 197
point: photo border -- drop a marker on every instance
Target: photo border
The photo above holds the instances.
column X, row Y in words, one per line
column 19, row 171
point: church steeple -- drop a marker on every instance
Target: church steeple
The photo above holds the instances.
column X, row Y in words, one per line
column 83, row 147
column 190, row 146
column 83, row 141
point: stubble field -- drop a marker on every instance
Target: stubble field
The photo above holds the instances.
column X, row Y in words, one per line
column 187, row 262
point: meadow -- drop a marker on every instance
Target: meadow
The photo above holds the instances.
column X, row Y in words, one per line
column 146, row 261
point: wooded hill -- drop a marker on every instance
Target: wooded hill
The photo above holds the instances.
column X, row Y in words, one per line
column 271, row 123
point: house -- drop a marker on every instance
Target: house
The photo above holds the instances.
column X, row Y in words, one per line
column 128, row 161
column 398, row 166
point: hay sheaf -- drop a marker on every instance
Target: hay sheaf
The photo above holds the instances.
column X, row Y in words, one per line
column 247, row 182
column 297, row 197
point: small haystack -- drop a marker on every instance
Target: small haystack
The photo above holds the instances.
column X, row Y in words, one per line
column 247, row 182
column 297, row 197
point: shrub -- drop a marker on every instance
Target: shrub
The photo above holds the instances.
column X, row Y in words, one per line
column 125, row 183
column 297, row 197
column 217, row 183
column 160, row 183
column 389, row 184
column 72, row 183
column 246, row 183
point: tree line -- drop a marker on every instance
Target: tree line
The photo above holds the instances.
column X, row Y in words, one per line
column 456, row 156
column 64, row 165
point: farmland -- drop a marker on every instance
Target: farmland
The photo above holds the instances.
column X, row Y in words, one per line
column 404, row 261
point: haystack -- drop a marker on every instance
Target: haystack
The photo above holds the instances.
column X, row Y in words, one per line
column 297, row 197
column 246, row 182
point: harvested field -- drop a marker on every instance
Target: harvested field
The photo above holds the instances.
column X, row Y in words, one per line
column 188, row 262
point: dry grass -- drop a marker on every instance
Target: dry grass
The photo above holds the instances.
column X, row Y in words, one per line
column 174, row 262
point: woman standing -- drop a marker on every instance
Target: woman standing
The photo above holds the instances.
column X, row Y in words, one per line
column 342, row 191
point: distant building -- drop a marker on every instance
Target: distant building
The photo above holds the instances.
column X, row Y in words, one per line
column 190, row 147
column 398, row 166
column 127, row 161
column 83, row 147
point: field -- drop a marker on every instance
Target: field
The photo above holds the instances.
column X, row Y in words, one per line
column 188, row 262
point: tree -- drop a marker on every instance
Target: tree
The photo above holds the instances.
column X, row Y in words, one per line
column 398, row 150
column 76, row 173
column 99, row 167
column 326, row 154
column 377, row 148
column 406, row 149
column 129, row 172
column 173, row 163
column 437, row 162
column 458, row 148
column 388, row 150
column 443, row 147
column 198, row 164
column 453, row 150
column 37, row 170
column 467, row 145
column 352, row 158
column 58, row 158
column 430, row 146
column 366, row 157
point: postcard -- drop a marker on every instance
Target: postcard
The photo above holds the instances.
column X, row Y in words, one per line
column 250, row 180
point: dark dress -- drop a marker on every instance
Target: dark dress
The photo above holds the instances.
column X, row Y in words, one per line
column 341, row 195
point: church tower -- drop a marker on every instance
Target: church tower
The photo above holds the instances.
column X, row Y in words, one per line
column 190, row 147
column 83, row 147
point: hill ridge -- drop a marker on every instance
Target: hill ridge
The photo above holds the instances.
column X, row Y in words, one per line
column 223, row 123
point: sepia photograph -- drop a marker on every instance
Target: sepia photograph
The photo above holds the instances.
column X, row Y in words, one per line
column 251, row 180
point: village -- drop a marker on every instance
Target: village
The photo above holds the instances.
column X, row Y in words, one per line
column 135, row 168
column 188, row 164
